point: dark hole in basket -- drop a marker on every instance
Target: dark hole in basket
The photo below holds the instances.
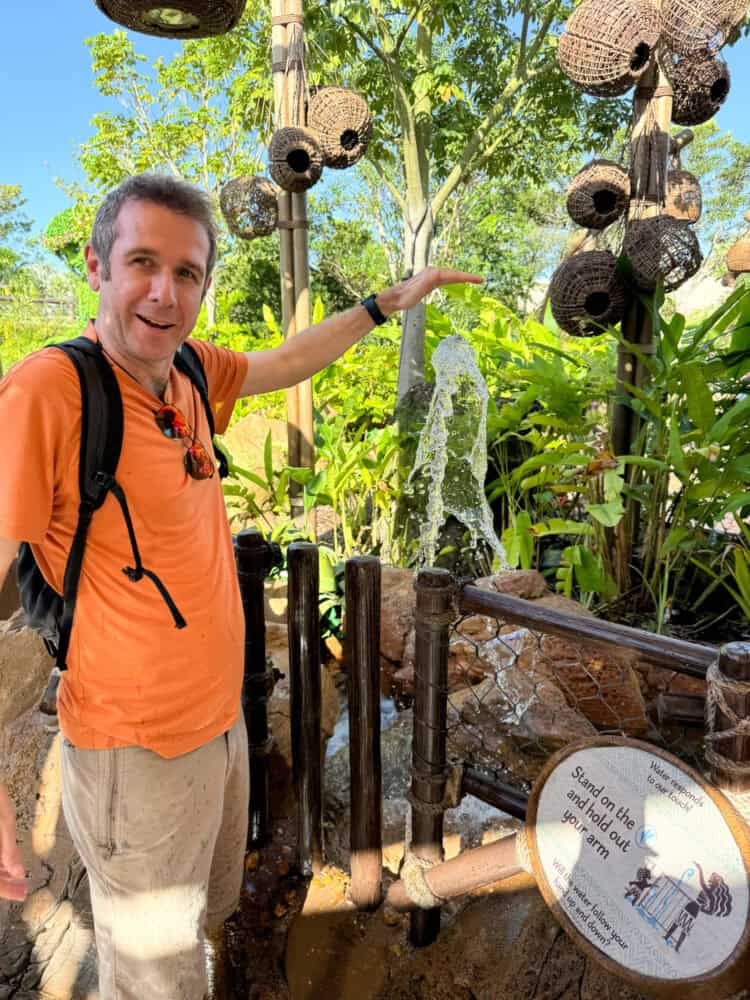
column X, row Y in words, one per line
column 605, row 201
column 640, row 57
column 298, row 160
column 720, row 89
column 597, row 303
column 349, row 139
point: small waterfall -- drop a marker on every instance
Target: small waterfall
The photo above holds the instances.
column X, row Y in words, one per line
column 452, row 452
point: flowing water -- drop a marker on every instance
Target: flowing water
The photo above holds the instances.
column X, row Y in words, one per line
column 451, row 461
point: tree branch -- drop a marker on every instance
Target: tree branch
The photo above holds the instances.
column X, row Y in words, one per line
column 382, row 55
column 394, row 191
column 401, row 37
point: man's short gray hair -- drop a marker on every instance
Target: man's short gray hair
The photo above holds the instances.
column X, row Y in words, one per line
column 161, row 189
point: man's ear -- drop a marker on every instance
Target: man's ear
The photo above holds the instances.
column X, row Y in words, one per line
column 93, row 267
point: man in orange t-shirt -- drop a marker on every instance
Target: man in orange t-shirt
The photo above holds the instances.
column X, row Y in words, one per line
column 154, row 751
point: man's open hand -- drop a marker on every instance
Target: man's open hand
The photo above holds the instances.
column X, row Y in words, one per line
column 12, row 880
column 412, row 290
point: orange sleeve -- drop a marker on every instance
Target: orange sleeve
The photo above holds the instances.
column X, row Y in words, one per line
column 40, row 412
column 225, row 373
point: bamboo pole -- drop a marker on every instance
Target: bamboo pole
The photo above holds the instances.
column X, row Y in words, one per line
column 652, row 116
column 298, row 95
column 279, row 8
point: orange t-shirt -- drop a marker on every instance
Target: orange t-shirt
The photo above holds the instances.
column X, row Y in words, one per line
column 133, row 677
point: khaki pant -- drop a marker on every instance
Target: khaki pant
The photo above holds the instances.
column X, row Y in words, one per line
column 163, row 842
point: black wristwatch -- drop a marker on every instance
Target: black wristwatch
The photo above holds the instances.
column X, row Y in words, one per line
column 374, row 310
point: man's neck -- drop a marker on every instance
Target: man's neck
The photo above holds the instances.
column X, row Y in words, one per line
column 153, row 377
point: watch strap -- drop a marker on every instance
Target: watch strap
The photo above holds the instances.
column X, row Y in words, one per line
column 374, row 310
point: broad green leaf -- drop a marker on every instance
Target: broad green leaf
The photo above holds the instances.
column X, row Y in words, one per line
column 700, row 404
column 609, row 514
column 268, row 459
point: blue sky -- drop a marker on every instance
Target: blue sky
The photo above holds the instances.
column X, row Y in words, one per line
column 50, row 99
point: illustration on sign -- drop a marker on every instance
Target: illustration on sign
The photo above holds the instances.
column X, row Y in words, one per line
column 669, row 905
column 641, row 861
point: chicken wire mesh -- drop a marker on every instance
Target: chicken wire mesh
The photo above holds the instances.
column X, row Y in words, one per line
column 516, row 696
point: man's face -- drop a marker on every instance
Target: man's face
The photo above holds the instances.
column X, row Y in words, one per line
column 151, row 300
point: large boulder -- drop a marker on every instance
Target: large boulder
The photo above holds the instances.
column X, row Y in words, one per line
column 47, row 942
column 25, row 667
column 10, row 601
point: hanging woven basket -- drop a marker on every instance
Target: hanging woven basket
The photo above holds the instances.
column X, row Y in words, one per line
column 738, row 258
column 296, row 159
column 663, row 249
column 700, row 87
column 684, row 197
column 700, row 27
column 250, row 207
column 175, row 18
column 586, row 294
column 342, row 122
column 598, row 194
column 607, row 45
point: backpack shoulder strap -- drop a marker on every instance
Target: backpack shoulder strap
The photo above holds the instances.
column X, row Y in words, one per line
column 102, row 421
column 187, row 361
column 102, row 425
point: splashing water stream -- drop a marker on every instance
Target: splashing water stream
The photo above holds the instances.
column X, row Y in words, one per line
column 452, row 452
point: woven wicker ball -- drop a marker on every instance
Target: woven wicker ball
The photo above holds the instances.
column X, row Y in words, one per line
column 700, row 27
column 684, row 196
column 175, row 18
column 700, row 87
column 250, row 207
column 586, row 294
column 296, row 159
column 342, row 122
column 738, row 258
column 598, row 194
column 607, row 44
column 664, row 249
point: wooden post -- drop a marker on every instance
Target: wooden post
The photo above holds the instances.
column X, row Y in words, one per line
column 298, row 95
column 652, row 116
column 305, row 702
column 363, row 657
column 734, row 663
column 429, row 762
column 279, row 54
column 253, row 562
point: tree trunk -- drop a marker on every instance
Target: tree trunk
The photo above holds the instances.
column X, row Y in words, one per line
column 416, row 258
column 211, row 305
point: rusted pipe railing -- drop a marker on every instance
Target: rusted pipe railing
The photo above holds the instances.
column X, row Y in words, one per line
column 435, row 589
column 305, row 702
column 362, row 635
column 464, row 873
column 254, row 560
column 689, row 658
column 734, row 664
column 494, row 793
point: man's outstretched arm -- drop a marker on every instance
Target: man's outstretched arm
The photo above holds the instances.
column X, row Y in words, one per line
column 312, row 350
column 12, row 882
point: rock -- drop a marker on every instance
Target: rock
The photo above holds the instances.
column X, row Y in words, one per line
column 245, row 442
column 10, row 601
column 531, row 711
column 275, row 601
column 47, row 942
column 524, row 583
column 598, row 679
column 25, row 667
column 397, row 610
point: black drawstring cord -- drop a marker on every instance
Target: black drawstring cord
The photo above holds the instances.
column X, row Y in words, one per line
column 137, row 572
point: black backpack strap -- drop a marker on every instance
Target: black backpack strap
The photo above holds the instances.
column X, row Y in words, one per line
column 101, row 442
column 187, row 361
column 102, row 427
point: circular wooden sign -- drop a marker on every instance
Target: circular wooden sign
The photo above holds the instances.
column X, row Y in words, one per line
column 645, row 865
